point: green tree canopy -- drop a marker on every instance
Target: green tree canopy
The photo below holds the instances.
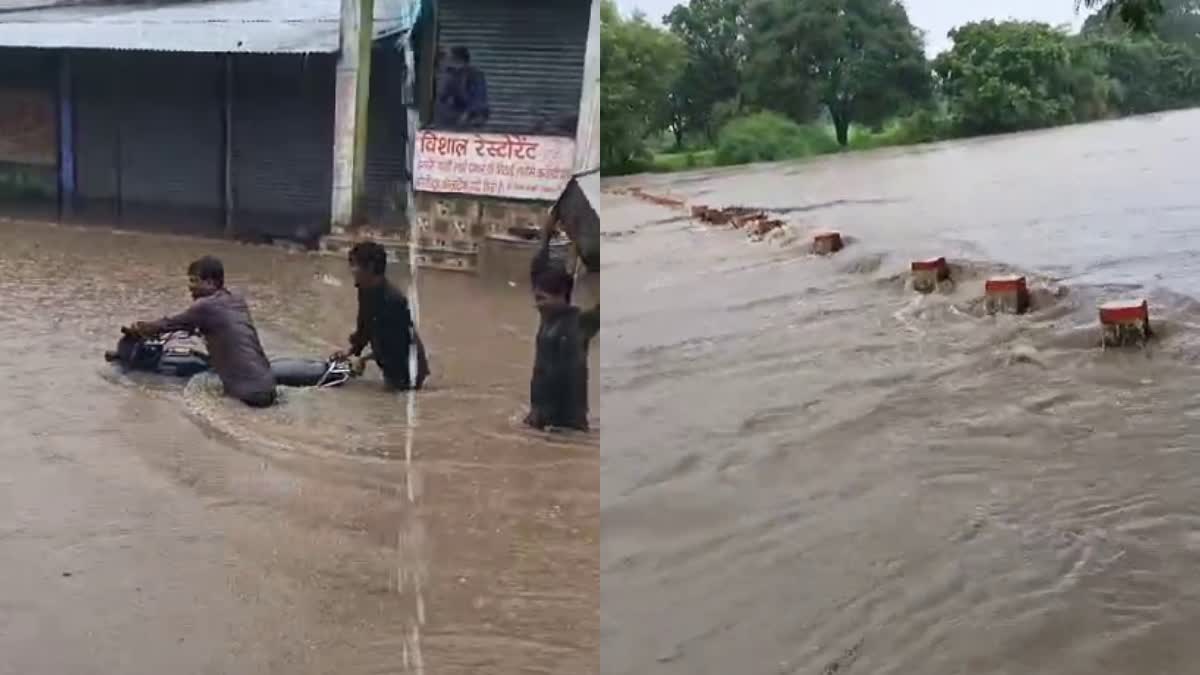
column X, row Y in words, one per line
column 1008, row 76
column 1139, row 15
column 1147, row 75
column 1176, row 21
column 713, row 32
column 638, row 64
column 862, row 60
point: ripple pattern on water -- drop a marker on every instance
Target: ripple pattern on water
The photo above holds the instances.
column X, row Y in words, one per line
column 809, row 467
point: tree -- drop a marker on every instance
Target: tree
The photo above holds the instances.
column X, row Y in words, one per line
column 1137, row 14
column 638, row 63
column 1175, row 21
column 713, row 33
column 862, row 60
column 1148, row 75
column 1009, row 76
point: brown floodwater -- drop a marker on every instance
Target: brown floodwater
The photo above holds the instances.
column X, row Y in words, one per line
column 809, row 468
column 155, row 527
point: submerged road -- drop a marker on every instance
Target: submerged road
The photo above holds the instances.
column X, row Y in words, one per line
column 157, row 528
column 808, row 468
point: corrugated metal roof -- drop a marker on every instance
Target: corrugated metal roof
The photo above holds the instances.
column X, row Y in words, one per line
column 251, row 26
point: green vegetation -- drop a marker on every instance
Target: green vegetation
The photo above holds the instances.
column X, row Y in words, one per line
column 639, row 65
column 729, row 82
column 860, row 61
column 1139, row 15
column 18, row 183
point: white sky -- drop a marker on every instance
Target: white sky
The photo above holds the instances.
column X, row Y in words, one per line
column 935, row 17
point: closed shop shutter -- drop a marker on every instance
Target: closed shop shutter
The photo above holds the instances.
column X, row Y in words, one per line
column 97, row 131
column 149, row 130
column 532, row 52
column 386, row 140
column 172, row 157
column 283, row 144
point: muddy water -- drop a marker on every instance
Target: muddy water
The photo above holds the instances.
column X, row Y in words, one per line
column 155, row 527
column 808, row 468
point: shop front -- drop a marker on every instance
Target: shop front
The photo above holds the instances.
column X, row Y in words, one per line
column 210, row 118
column 28, row 134
column 483, row 185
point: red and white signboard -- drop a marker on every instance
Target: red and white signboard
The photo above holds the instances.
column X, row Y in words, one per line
column 495, row 165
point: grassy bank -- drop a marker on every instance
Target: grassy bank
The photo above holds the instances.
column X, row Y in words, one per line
column 767, row 137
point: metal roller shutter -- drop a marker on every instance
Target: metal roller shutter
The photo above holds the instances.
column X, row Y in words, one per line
column 387, row 131
column 172, row 157
column 149, row 130
column 532, row 52
column 97, row 128
column 283, row 144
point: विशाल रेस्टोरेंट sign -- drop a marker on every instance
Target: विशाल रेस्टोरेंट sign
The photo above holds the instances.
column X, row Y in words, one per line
column 509, row 166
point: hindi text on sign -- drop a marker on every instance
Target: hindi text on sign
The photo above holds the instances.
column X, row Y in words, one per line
column 500, row 165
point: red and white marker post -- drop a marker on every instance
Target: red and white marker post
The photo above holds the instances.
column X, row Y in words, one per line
column 927, row 274
column 1125, row 322
column 1007, row 294
column 827, row 243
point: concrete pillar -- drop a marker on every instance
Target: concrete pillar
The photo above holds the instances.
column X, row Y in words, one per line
column 352, row 94
column 928, row 274
column 66, row 137
column 227, row 145
column 1008, row 294
column 587, row 134
column 1125, row 323
column 827, row 243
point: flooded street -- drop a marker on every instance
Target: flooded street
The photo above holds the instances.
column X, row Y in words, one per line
column 155, row 527
column 809, row 468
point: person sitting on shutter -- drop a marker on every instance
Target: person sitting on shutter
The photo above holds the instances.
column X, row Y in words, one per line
column 222, row 317
column 463, row 93
column 558, row 395
column 384, row 321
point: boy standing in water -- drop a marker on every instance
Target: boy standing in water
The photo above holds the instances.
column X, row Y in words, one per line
column 558, row 395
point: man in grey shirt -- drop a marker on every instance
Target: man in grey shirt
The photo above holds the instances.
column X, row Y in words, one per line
column 222, row 317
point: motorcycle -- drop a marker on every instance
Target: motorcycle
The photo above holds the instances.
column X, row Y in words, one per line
column 167, row 355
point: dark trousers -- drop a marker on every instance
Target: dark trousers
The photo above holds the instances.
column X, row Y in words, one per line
column 264, row 399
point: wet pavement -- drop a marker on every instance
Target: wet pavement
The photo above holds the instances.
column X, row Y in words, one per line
column 155, row 527
column 809, row 468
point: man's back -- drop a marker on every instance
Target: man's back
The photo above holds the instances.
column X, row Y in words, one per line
column 234, row 349
column 385, row 322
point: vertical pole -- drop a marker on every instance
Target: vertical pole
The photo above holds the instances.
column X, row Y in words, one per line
column 427, row 78
column 66, row 138
column 118, row 170
column 362, row 107
column 587, row 134
column 352, row 95
column 227, row 116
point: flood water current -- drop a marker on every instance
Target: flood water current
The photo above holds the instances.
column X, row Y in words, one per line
column 809, row 468
column 154, row 527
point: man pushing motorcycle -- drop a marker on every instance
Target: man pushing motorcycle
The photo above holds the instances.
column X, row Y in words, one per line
column 223, row 319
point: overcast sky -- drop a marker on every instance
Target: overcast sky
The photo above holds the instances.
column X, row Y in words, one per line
column 935, row 17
